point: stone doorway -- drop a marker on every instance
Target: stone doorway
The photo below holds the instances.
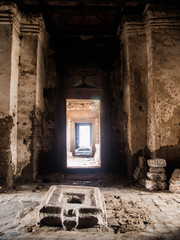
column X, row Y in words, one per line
column 83, row 133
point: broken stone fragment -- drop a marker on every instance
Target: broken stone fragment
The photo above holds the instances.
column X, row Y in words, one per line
column 162, row 185
column 142, row 182
column 176, row 175
column 156, row 176
column 142, row 162
column 174, row 188
column 151, row 185
column 156, row 162
column 140, row 172
column 155, row 185
column 157, row 170
column 175, row 181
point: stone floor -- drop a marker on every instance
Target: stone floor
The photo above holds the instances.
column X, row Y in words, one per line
column 82, row 162
column 132, row 211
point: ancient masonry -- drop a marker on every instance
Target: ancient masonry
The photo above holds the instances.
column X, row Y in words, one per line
column 140, row 172
column 156, row 175
column 175, row 181
column 72, row 207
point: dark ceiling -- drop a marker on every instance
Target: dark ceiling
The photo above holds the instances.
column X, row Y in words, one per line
column 84, row 31
column 80, row 17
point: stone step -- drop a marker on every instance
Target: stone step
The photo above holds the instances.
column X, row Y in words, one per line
column 156, row 162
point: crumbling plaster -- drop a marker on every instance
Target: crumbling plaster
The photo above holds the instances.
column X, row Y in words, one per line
column 151, row 88
column 144, row 89
column 30, row 92
column 22, row 57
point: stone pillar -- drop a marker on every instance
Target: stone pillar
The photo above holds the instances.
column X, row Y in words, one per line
column 30, row 95
column 9, row 60
column 134, row 76
column 163, row 51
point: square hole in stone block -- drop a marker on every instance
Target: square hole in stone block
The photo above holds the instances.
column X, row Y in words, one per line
column 72, row 207
column 73, row 198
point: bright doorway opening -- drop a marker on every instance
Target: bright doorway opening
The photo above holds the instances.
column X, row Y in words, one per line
column 84, row 136
column 83, row 133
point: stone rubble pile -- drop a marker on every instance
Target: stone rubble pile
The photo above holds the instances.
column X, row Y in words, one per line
column 140, row 171
column 175, row 181
column 156, row 177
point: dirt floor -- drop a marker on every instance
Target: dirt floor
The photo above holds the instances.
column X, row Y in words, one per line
column 132, row 211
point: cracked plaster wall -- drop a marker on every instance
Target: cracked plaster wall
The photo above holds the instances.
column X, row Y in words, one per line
column 9, row 57
column 22, row 57
column 151, row 86
column 30, row 96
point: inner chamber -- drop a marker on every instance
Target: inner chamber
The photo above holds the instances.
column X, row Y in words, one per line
column 83, row 133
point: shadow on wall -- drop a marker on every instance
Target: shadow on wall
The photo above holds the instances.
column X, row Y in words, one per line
column 49, row 163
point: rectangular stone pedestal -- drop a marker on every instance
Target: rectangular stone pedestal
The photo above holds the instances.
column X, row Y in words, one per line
column 72, row 207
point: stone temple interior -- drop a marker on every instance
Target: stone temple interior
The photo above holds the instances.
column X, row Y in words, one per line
column 90, row 98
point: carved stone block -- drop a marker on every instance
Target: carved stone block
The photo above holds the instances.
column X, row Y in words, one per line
column 156, row 162
column 72, row 207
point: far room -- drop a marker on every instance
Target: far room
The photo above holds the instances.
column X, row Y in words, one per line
column 83, row 133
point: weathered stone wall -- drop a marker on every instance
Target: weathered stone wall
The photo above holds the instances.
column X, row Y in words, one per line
column 163, row 37
column 96, row 81
column 117, row 120
column 23, row 77
column 6, row 167
column 135, row 93
column 151, row 83
column 9, row 59
column 50, row 100
column 30, row 96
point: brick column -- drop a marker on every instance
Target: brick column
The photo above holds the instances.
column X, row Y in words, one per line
column 163, row 48
column 9, row 60
column 134, row 74
column 30, row 95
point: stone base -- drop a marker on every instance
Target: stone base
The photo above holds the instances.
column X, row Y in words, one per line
column 155, row 185
column 157, row 170
column 72, row 207
column 156, row 176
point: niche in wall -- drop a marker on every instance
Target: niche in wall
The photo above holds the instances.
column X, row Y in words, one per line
column 83, row 133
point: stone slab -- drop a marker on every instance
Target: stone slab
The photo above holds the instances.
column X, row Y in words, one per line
column 175, row 181
column 151, row 185
column 162, row 185
column 156, row 162
column 157, row 170
column 140, row 172
column 156, row 176
column 142, row 182
column 72, row 207
column 155, row 185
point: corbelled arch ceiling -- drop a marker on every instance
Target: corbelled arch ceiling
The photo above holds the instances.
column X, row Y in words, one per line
column 80, row 16
column 84, row 30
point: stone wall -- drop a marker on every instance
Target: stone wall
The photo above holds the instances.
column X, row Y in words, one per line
column 140, row 99
column 9, row 60
column 30, row 95
column 118, row 121
column 23, row 40
column 6, row 167
column 151, row 83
